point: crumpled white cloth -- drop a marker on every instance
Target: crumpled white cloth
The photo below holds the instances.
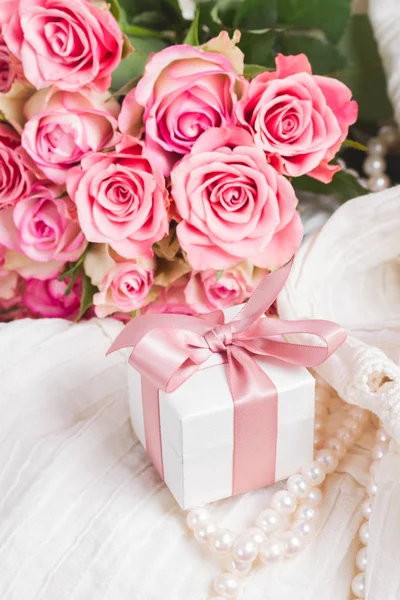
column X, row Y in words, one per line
column 349, row 272
column 83, row 515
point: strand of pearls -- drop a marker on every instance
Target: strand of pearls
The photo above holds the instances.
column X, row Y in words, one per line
column 378, row 452
column 374, row 165
column 284, row 527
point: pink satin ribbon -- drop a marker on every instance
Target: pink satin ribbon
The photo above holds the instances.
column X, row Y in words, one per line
column 168, row 349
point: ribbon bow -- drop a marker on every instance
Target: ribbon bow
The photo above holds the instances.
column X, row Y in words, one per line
column 168, row 349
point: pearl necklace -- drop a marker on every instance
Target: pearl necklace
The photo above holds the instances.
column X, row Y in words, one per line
column 288, row 524
column 374, row 164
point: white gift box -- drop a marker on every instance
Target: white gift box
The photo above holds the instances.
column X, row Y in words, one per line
column 197, row 427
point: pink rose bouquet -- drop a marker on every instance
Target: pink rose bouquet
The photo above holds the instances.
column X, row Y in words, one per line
column 174, row 195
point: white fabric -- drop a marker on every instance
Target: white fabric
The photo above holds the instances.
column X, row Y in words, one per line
column 83, row 515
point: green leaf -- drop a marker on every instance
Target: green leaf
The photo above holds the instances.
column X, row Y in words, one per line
column 355, row 145
column 218, row 275
column 224, row 11
column 71, row 282
column 133, row 65
column 343, row 185
column 88, row 291
column 258, row 48
column 251, row 71
column 192, row 36
column 332, row 16
column 115, row 9
column 72, row 268
column 364, row 73
column 253, row 15
column 323, row 56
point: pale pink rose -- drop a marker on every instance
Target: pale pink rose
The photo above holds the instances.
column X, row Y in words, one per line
column 63, row 127
column 48, row 299
column 171, row 300
column 223, row 44
column 299, row 119
column 28, row 268
column 15, row 176
column 184, row 91
column 7, row 70
column 12, row 104
column 125, row 288
column 8, row 279
column 39, row 226
column 233, row 205
column 70, row 43
column 121, row 199
column 209, row 290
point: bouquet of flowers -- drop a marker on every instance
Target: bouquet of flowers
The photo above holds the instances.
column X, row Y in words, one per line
column 174, row 197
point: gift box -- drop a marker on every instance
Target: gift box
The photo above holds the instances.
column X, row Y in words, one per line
column 224, row 404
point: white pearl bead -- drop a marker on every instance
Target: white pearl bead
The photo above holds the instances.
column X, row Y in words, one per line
column 245, row 549
column 204, row 530
column 366, row 508
column 345, row 436
column 299, row 485
column 239, row 568
column 318, row 440
column 256, row 534
column 319, row 424
column 272, row 550
column 327, row 459
column 226, row 585
column 388, row 134
column 361, row 559
column 221, row 541
column 358, row 585
column 303, row 528
column 195, row 516
column 293, row 543
column 354, row 426
column 374, row 165
column 378, row 183
column 337, row 447
column 314, row 473
column 315, row 497
column 269, row 520
column 321, row 411
column 379, row 451
column 363, row 533
column 382, row 436
column 371, row 488
column 284, row 502
column 376, row 146
column 359, row 414
column 307, row 512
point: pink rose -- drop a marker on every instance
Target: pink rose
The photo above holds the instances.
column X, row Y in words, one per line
column 70, row 43
column 233, row 205
column 15, row 176
column 299, row 119
column 121, row 199
column 125, row 287
column 39, row 226
column 206, row 291
column 171, row 300
column 184, row 91
column 7, row 70
column 9, row 137
column 47, row 298
column 63, row 127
